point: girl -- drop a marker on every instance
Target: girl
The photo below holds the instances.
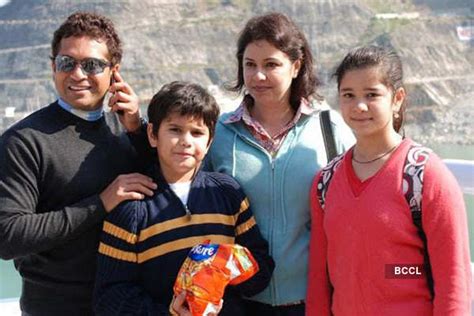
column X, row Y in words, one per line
column 362, row 232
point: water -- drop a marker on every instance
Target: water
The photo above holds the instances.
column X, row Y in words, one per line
column 461, row 152
column 454, row 151
column 10, row 283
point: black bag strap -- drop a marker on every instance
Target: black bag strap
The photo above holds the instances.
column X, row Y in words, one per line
column 328, row 135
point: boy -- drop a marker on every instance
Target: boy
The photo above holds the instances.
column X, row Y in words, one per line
column 145, row 242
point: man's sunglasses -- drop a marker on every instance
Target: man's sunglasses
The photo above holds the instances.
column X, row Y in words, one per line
column 90, row 66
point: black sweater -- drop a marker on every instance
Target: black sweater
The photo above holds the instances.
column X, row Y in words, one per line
column 53, row 165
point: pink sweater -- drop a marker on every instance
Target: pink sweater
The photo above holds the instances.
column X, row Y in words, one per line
column 358, row 236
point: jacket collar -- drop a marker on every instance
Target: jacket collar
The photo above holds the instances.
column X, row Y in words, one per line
column 242, row 111
column 158, row 177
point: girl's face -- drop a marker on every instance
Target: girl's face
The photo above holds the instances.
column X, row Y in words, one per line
column 268, row 73
column 367, row 105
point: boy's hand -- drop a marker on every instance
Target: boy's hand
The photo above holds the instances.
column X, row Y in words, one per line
column 133, row 186
column 179, row 305
column 125, row 102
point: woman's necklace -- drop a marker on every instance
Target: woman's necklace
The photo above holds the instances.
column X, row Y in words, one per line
column 376, row 158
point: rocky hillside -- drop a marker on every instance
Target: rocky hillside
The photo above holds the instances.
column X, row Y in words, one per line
column 195, row 40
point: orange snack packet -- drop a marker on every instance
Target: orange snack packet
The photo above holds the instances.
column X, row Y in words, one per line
column 206, row 272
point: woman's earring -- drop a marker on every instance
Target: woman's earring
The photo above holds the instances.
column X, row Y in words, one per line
column 396, row 115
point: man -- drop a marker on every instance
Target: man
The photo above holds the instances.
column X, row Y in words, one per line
column 65, row 166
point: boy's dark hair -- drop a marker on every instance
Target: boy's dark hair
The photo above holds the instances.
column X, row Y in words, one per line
column 186, row 99
column 389, row 66
column 89, row 24
column 280, row 31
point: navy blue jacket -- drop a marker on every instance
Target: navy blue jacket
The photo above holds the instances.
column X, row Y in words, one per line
column 144, row 243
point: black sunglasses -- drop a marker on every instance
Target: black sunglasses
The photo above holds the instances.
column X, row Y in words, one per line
column 90, row 66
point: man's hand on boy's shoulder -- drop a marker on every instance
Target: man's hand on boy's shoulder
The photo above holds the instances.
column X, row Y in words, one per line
column 133, row 186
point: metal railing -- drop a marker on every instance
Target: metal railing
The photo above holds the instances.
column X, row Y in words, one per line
column 463, row 170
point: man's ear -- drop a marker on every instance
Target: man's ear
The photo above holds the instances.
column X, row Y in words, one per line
column 115, row 67
column 152, row 138
column 53, row 68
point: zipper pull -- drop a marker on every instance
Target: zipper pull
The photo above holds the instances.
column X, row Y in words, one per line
column 188, row 212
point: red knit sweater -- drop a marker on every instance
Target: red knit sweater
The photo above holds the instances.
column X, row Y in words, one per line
column 355, row 237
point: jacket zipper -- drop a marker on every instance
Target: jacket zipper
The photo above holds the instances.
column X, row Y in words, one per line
column 273, row 287
column 185, row 206
column 186, row 209
column 272, row 207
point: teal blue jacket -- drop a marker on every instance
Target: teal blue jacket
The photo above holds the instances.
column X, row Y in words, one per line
column 278, row 189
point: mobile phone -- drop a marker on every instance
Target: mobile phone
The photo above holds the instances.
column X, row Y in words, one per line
column 112, row 81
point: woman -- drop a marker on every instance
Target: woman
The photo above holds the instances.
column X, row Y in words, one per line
column 273, row 145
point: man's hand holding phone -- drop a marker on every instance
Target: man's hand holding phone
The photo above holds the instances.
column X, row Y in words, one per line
column 125, row 102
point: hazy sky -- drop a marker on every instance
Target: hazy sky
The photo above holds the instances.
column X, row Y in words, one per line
column 3, row 2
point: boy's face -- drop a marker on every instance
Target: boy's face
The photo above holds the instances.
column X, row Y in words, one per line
column 181, row 144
